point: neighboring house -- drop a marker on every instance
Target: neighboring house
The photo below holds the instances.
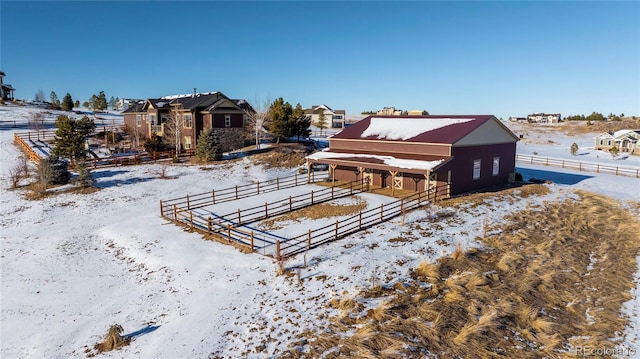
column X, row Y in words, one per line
column 198, row 111
column 517, row 119
column 544, row 117
column 333, row 118
column 389, row 111
column 6, row 91
column 418, row 113
column 123, row 104
column 627, row 141
column 421, row 152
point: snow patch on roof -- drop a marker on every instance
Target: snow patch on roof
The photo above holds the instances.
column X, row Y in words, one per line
column 388, row 160
column 173, row 97
column 405, row 128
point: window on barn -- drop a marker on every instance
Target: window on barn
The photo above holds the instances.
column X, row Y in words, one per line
column 496, row 166
column 188, row 120
column 227, row 120
column 138, row 120
column 187, row 142
column 476, row 169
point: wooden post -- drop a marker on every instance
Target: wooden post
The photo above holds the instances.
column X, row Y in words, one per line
column 252, row 246
column 337, row 225
column 239, row 217
column 309, row 239
column 311, row 196
column 266, row 210
column 258, row 187
column 333, row 174
column 332, row 191
column 296, row 180
column 278, row 183
column 381, row 211
column 213, row 196
column 236, row 191
column 616, row 171
column 290, row 204
column 598, row 168
column 191, row 219
column 278, row 250
column 161, row 212
column 579, row 166
column 188, row 207
column 228, row 233
column 308, row 172
column 360, row 220
column 562, row 163
column 209, row 225
column 175, row 212
column 393, row 182
column 351, row 187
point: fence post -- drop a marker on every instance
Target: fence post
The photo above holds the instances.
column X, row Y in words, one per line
column 258, row 187
column 239, row 217
column 598, row 168
column 562, row 163
column 213, row 196
column 290, row 204
column 209, row 225
column 360, row 220
column 236, row 191
column 296, row 180
column 309, row 239
column 311, row 196
column 175, row 212
column 579, row 166
column 278, row 183
column 188, row 206
column 381, row 211
column 228, row 233
column 332, row 187
column 278, row 250
column 616, row 171
column 637, row 173
column 161, row 211
column 337, row 225
column 191, row 219
column 266, row 210
column 350, row 187
column 252, row 241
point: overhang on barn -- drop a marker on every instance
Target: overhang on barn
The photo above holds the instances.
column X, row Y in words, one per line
column 456, row 153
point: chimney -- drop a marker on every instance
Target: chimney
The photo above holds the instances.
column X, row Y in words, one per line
column 194, row 92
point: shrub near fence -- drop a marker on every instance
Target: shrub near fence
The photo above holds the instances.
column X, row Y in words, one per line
column 580, row 166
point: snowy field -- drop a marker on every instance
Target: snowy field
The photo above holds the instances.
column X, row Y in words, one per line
column 74, row 264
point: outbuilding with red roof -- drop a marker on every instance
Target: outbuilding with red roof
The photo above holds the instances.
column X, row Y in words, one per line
column 461, row 153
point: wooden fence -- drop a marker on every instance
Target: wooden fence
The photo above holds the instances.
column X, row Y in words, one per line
column 226, row 226
column 205, row 199
column 580, row 166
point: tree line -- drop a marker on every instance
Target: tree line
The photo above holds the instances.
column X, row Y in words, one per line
column 97, row 102
column 595, row 116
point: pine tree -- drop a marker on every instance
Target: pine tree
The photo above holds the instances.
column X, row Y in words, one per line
column 154, row 143
column 76, row 104
column 322, row 121
column 67, row 102
column 209, row 147
column 574, row 148
column 54, row 99
column 101, row 102
column 39, row 96
column 302, row 122
column 614, row 151
column 85, row 178
column 280, row 113
column 70, row 137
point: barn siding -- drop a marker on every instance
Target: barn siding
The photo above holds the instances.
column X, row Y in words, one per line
column 462, row 166
column 408, row 150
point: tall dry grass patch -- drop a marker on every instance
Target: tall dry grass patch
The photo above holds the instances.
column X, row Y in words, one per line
column 553, row 279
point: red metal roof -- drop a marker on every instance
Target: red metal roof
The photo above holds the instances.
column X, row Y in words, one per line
column 448, row 134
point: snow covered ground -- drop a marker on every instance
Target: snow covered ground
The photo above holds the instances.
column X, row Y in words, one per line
column 73, row 264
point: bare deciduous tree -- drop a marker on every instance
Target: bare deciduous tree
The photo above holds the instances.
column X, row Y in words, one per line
column 256, row 121
column 15, row 173
column 174, row 125
column 36, row 122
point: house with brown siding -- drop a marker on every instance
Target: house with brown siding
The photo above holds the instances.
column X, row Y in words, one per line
column 461, row 153
column 199, row 111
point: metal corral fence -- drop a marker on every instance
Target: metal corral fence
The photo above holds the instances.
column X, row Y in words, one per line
column 200, row 200
column 580, row 166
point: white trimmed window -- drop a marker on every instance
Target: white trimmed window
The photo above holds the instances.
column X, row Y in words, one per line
column 227, row 120
column 152, row 120
column 188, row 120
column 138, row 120
column 609, row 143
column 496, row 166
column 187, row 142
column 476, row 169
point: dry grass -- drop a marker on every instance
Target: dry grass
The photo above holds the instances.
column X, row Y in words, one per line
column 554, row 278
column 283, row 156
column 112, row 340
column 318, row 211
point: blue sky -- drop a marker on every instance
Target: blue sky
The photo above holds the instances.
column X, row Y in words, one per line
column 502, row 58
